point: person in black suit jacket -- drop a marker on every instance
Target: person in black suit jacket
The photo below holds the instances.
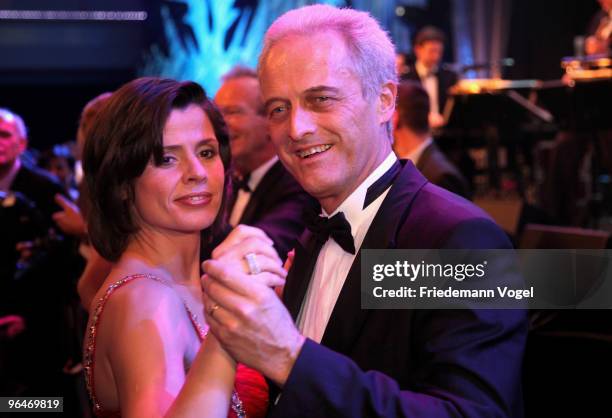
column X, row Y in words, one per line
column 42, row 284
column 329, row 85
column 266, row 195
column 37, row 185
column 413, row 141
column 426, row 69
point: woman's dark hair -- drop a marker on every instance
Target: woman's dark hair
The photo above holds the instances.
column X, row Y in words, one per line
column 126, row 135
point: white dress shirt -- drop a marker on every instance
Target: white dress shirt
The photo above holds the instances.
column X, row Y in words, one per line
column 243, row 196
column 333, row 263
column 430, row 84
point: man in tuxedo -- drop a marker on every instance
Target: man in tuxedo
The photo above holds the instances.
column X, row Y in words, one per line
column 329, row 86
column 265, row 195
column 413, row 141
column 428, row 50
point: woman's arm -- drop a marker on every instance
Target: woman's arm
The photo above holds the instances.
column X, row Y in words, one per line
column 147, row 349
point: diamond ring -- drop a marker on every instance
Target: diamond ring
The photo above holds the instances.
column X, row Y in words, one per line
column 251, row 260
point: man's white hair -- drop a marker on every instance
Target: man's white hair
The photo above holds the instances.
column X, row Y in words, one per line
column 370, row 47
column 11, row 117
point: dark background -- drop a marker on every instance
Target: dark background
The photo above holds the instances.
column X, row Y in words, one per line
column 50, row 69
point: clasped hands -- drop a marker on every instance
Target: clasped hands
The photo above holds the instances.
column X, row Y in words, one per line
column 243, row 310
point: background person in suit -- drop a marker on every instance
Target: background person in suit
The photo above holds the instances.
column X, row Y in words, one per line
column 34, row 256
column 329, row 84
column 15, row 175
column 429, row 50
column 265, row 194
column 413, row 140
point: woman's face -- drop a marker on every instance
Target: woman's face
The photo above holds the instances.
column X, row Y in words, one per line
column 183, row 194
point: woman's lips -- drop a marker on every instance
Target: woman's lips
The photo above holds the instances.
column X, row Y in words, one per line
column 195, row 199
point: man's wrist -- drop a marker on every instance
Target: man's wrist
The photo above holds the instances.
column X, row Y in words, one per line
column 281, row 374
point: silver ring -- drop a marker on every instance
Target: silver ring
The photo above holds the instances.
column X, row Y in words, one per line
column 251, row 260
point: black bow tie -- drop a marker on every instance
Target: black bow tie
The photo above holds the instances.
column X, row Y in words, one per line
column 336, row 227
column 242, row 183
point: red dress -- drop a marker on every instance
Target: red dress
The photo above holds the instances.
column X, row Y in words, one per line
column 250, row 396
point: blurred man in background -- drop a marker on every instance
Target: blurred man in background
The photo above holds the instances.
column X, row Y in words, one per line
column 265, row 194
column 413, row 140
column 429, row 50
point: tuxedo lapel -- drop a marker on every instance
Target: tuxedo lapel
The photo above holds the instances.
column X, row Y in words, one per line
column 347, row 319
column 260, row 193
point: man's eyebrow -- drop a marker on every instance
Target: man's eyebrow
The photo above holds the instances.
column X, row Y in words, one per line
column 230, row 107
column 315, row 89
column 200, row 143
column 273, row 99
column 319, row 89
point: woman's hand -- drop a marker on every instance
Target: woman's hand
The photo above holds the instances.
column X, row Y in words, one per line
column 245, row 240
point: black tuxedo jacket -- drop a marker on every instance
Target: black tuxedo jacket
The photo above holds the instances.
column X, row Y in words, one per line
column 408, row 363
column 446, row 79
column 40, row 187
column 434, row 165
column 276, row 207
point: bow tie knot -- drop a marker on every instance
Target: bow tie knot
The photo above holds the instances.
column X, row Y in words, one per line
column 336, row 227
column 242, row 183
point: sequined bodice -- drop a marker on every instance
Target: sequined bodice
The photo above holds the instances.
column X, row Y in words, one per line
column 90, row 346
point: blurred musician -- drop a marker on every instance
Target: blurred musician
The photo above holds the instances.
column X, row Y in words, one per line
column 429, row 50
column 599, row 32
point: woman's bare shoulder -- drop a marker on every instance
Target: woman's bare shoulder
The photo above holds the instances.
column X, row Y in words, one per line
column 140, row 297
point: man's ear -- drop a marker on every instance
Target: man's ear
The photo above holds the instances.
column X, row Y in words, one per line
column 386, row 102
column 23, row 145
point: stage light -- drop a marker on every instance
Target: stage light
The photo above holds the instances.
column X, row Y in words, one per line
column 96, row 15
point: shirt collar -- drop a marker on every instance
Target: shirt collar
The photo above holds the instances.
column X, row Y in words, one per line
column 7, row 181
column 260, row 172
column 416, row 153
column 353, row 205
column 423, row 71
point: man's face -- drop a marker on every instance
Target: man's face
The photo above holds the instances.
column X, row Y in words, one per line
column 240, row 103
column 12, row 145
column 326, row 133
column 429, row 53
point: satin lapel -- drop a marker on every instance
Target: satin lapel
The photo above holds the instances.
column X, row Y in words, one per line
column 347, row 319
column 260, row 193
column 300, row 274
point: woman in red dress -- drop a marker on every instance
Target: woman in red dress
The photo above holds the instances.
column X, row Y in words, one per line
column 156, row 167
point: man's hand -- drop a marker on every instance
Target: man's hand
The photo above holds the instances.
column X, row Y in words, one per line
column 593, row 45
column 436, row 120
column 249, row 319
column 69, row 220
